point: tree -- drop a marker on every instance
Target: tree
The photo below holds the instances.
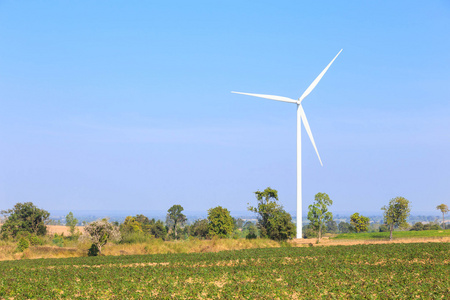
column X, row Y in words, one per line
column 318, row 213
column 100, row 232
column 158, row 230
column 332, row 226
column 220, row 222
column 252, row 231
column 200, row 229
column 71, row 222
column 24, row 217
column 444, row 209
column 359, row 222
column 281, row 226
column 396, row 213
column 142, row 219
column 130, row 225
column 273, row 221
column 175, row 217
column 344, row 227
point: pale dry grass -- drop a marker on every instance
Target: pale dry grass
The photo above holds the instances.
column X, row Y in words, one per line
column 190, row 246
column 61, row 229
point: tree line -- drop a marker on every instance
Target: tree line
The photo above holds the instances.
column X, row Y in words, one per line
column 26, row 222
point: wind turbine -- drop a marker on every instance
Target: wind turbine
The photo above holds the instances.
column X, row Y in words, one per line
column 300, row 116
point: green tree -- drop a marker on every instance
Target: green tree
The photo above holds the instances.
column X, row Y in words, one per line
column 200, row 229
column 444, row 209
column 344, row 227
column 318, row 213
column 396, row 213
column 71, row 222
column 24, row 217
column 142, row 219
column 158, row 230
column 281, row 227
column 130, row 225
column 252, row 231
column 100, row 232
column 175, row 218
column 220, row 222
column 359, row 222
column 332, row 226
column 273, row 221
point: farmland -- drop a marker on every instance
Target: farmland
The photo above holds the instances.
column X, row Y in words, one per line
column 396, row 234
column 363, row 271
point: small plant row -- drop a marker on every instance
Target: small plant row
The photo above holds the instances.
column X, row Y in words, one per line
column 400, row 271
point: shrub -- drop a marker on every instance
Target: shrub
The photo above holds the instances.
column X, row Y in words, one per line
column 383, row 228
column 418, row 226
column 22, row 245
column 93, row 251
column 58, row 240
column 34, row 240
column 309, row 232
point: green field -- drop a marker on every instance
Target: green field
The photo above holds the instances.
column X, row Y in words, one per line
column 401, row 271
column 396, row 234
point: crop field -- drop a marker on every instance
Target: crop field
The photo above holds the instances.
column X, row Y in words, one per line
column 396, row 234
column 402, row 271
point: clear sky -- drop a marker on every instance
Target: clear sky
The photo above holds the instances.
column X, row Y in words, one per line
column 127, row 105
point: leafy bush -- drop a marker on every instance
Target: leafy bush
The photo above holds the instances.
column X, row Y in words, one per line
column 418, row 226
column 35, row 241
column 22, row 245
column 309, row 232
column 93, row 251
column 58, row 240
column 383, row 228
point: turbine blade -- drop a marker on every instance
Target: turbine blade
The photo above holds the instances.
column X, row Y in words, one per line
column 271, row 97
column 308, row 130
column 316, row 81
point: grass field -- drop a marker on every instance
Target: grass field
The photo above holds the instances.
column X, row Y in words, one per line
column 402, row 271
column 396, row 234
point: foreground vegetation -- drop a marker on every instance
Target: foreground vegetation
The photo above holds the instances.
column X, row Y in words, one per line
column 401, row 271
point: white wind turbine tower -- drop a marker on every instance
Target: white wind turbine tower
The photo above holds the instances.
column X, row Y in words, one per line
column 300, row 116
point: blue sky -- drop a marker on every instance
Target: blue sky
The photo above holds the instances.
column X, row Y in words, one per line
column 127, row 105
